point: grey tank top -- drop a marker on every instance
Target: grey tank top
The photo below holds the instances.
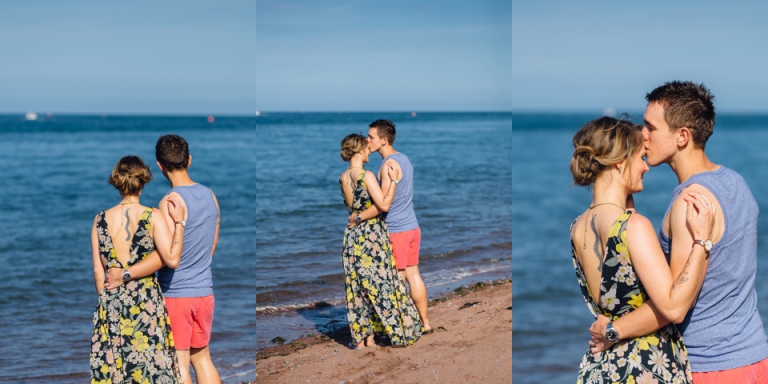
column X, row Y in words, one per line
column 724, row 329
column 192, row 278
column 401, row 216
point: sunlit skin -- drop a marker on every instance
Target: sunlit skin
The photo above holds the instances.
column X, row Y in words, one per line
column 660, row 143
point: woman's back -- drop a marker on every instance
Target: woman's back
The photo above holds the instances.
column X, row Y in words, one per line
column 122, row 228
column 660, row 355
column 354, row 190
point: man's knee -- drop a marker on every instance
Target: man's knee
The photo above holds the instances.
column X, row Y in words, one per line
column 412, row 272
column 199, row 354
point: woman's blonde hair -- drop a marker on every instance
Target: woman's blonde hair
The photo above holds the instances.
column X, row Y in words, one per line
column 602, row 143
column 352, row 144
column 129, row 176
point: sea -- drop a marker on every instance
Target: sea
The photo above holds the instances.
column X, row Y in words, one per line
column 277, row 269
column 462, row 200
column 550, row 318
column 54, row 182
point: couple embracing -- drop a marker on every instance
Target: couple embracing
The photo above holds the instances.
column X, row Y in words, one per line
column 381, row 243
column 133, row 341
column 680, row 307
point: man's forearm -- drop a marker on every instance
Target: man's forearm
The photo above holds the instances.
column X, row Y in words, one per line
column 640, row 322
column 146, row 267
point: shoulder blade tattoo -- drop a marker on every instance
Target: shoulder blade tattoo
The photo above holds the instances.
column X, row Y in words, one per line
column 596, row 247
column 127, row 225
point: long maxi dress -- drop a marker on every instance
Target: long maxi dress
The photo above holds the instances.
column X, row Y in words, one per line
column 658, row 357
column 132, row 340
column 377, row 300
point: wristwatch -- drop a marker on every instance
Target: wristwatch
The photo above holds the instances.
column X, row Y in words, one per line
column 707, row 244
column 358, row 218
column 396, row 181
column 126, row 275
column 182, row 222
column 611, row 334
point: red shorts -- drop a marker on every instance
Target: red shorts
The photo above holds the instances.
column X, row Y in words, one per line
column 405, row 247
column 191, row 320
column 748, row 374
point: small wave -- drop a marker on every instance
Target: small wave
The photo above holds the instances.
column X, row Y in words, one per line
column 270, row 309
column 468, row 251
column 437, row 279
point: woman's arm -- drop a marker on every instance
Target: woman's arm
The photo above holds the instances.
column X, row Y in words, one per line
column 383, row 202
column 672, row 296
column 169, row 244
column 98, row 267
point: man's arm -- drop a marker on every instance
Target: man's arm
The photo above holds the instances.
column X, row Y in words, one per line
column 368, row 213
column 640, row 322
column 218, row 225
column 144, row 268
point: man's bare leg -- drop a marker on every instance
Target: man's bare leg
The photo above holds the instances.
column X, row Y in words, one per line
column 183, row 356
column 205, row 371
column 418, row 293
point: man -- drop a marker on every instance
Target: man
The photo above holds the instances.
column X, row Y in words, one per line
column 404, row 232
column 723, row 331
column 188, row 289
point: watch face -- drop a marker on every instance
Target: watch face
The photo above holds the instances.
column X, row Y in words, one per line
column 708, row 245
column 612, row 335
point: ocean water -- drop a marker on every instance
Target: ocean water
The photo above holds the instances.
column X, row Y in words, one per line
column 462, row 164
column 550, row 319
column 54, row 174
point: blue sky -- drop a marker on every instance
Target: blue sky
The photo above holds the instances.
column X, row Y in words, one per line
column 391, row 55
column 589, row 56
column 240, row 56
column 141, row 56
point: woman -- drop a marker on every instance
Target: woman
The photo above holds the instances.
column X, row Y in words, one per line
column 132, row 340
column 376, row 297
column 619, row 262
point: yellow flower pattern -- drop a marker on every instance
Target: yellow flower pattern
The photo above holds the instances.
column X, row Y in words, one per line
column 132, row 341
column 376, row 297
column 622, row 292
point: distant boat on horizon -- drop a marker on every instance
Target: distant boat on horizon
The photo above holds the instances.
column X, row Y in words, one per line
column 31, row 116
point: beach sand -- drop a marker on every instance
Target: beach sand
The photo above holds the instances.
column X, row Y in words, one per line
column 472, row 343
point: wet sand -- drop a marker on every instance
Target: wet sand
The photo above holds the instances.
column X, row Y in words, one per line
column 472, row 342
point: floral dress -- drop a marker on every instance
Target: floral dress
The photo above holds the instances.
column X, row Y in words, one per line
column 376, row 297
column 132, row 340
column 659, row 357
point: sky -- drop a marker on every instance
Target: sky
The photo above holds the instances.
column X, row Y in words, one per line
column 170, row 56
column 595, row 55
column 237, row 57
column 427, row 55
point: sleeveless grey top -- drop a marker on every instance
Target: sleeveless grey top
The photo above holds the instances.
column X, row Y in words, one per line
column 724, row 330
column 192, row 278
column 401, row 216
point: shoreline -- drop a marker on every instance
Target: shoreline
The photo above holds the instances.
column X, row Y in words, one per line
column 472, row 341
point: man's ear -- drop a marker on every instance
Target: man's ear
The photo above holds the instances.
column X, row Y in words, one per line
column 162, row 170
column 683, row 137
column 189, row 162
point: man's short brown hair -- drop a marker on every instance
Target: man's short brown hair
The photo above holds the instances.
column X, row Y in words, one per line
column 172, row 152
column 687, row 104
column 385, row 128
